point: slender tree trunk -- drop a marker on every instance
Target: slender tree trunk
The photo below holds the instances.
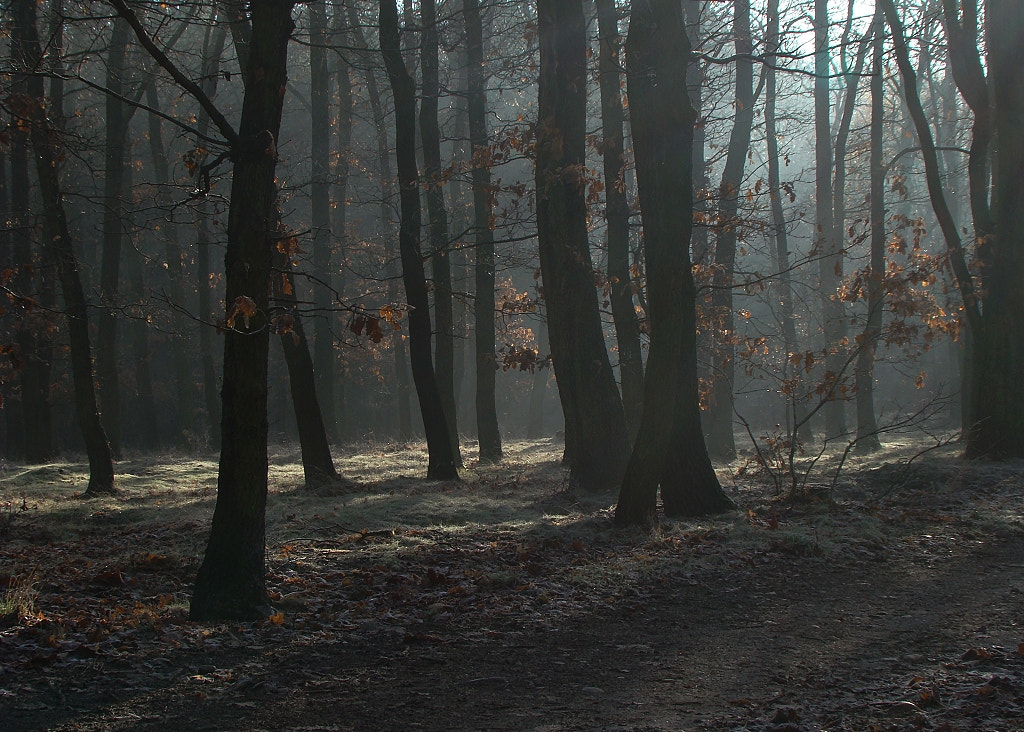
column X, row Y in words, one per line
column 231, row 583
column 441, row 460
column 213, row 49
column 700, row 246
column 627, row 326
column 184, row 377
column 669, row 450
column 317, row 464
column 793, row 391
column 826, row 248
column 486, row 365
column 596, row 437
column 390, row 272
column 721, row 441
column 320, row 214
column 867, row 424
column 58, row 243
column 440, row 261
column 324, row 348
column 113, row 234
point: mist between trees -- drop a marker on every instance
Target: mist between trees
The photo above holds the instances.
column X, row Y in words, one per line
column 679, row 235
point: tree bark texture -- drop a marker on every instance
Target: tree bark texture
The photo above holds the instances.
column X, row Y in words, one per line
column 596, row 437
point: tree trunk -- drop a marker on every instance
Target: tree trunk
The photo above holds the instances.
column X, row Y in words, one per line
column 826, row 248
column 669, row 450
column 486, row 365
column 57, row 240
column 799, row 425
column 867, row 424
column 441, row 460
column 184, row 377
column 999, row 392
column 627, row 326
column 721, row 441
column 320, row 214
column 440, row 261
column 113, row 234
column 213, row 49
column 231, row 582
column 596, row 437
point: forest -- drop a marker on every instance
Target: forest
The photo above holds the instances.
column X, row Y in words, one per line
column 474, row 364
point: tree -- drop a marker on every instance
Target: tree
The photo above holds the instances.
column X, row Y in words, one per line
column 721, row 441
column 440, row 261
column 476, row 93
column 669, row 450
column 616, row 211
column 441, row 459
column 57, row 236
column 595, row 427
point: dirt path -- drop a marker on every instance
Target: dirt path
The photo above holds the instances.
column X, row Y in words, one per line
column 911, row 626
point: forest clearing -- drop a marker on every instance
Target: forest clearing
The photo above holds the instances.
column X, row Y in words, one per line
column 892, row 601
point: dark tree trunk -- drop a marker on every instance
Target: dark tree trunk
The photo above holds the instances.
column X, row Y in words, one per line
column 213, row 49
column 700, row 247
column 384, row 169
column 998, row 403
column 721, row 441
column 231, row 582
column 31, row 432
column 113, row 234
column 867, row 424
column 669, row 450
column 59, row 248
column 324, row 348
column 440, row 261
column 320, row 205
column 184, row 377
column 317, row 464
column 486, row 365
column 597, row 442
column 627, row 327
column 441, row 460
column 794, row 392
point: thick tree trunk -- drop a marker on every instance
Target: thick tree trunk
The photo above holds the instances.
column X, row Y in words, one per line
column 59, row 247
column 31, row 432
column 669, row 450
column 596, row 436
column 627, row 326
column 721, row 440
column 486, row 365
column 440, row 261
column 231, row 582
column 441, row 459
column 998, row 417
column 867, row 424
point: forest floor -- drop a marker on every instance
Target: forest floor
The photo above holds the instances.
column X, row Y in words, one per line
column 892, row 600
